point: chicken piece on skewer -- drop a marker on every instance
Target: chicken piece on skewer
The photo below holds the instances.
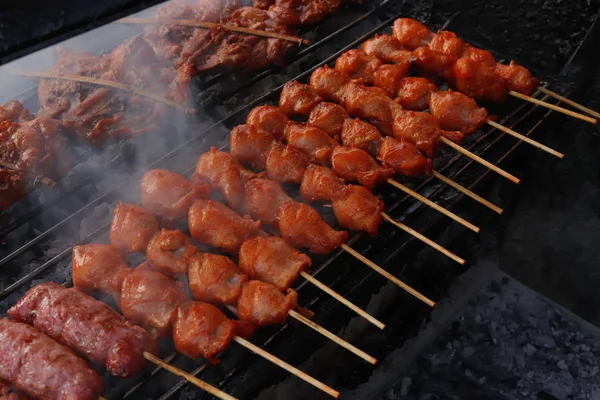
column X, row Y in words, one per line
column 170, row 252
column 99, row 267
column 215, row 279
column 418, row 128
column 360, row 134
column 303, row 12
column 328, row 117
column 270, row 119
column 312, row 141
column 169, row 195
column 132, row 228
column 286, row 164
column 250, row 146
column 257, row 208
column 455, row 111
column 478, row 81
column 354, row 164
column 404, row 157
column 215, row 168
column 517, row 77
column 271, row 259
column 411, row 33
column 388, row 49
column 263, row 304
column 414, row 93
column 214, row 223
column 298, row 99
column 150, row 299
column 321, row 184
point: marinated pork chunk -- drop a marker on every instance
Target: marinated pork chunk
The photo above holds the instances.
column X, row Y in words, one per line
column 263, row 304
column 170, row 252
column 131, row 228
column 215, row 279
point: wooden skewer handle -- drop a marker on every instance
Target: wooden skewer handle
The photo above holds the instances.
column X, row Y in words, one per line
column 342, row 300
column 469, row 193
column 188, row 377
column 553, row 107
column 525, row 139
column 293, row 370
column 569, row 102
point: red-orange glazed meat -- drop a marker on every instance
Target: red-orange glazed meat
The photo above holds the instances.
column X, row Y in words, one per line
column 388, row 49
column 517, row 78
column 433, row 63
column 263, row 199
column 358, row 210
column 298, row 99
column 216, row 168
column 418, row 128
column 329, row 83
column 411, row 33
column 389, row 77
column 170, row 252
column 404, row 158
column 313, row 142
column 286, row 164
column 98, row 267
column 86, row 325
column 328, row 117
column 249, row 146
column 321, row 184
column 360, row 134
column 372, row 104
column 215, row 279
column 447, row 42
column 479, row 81
column 302, row 226
column 41, row 368
column 354, row 164
column 202, row 330
column 358, row 65
column 150, row 299
column 169, row 195
column 479, row 55
column 414, row 93
column 263, row 304
column 455, row 111
column 271, row 259
column 270, row 119
column 217, row 225
column 132, row 228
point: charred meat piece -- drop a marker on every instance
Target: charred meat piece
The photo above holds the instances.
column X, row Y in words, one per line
column 215, row 279
column 169, row 195
column 259, row 190
column 271, row 259
column 418, row 128
column 321, row 184
column 517, row 78
column 99, row 267
column 41, row 368
column 358, row 65
column 286, row 164
column 263, row 304
column 170, row 252
column 411, row 33
column 414, row 93
column 132, row 228
column 455, row 111
column 388, row 49
column 270, row 119
column 150, row 299
column 313, row 142
column 250, row 146
column 479, row 81
column 86, row 325
column 303, row 12
column 298, row 99
column 404, row 158
column 328, row 117
column 358, row 210
column 216, row 168
column 217, row 225
column 354, row 164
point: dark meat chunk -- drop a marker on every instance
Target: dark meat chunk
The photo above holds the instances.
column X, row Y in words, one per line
column 87, row 326
column 150, row 299
column 217, row 225
column 286, row 164
column 132, row 228
column 404, row 158
column 170, row 252
column 259, row 190
column 328, row 117
column 360, row 134
column 215, row 279
column 216, row 168
column 298, row 99
column 321, row 184
column 99, row 267
column 41, row 368
column 414, row 93
column 517, row 78
column 411, row 33
column 270, row 119
column 169, row 195
column 455, row 111
column 418, row 128
column 354, row 164
column 389, row 77
column 303, row 12
column 358, row 65
column 388, row 49
column 250, row 146
column 358, row 210
column 271, row 259
column 479, row 81
column 313, row 142
column 302, row 226
column 263, row 304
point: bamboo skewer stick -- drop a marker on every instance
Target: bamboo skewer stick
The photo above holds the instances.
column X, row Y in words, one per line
column 553, row 107
column 569, row 102
column 431, row 204
column 293, row 370
column 479, row 160
column 469, row 193
column 424, row 239
column 104, row 82
column 525, row 139
column 209, row 25
column 386, row 274
column 342, row 300
column 333, row 337
column 188, row 377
